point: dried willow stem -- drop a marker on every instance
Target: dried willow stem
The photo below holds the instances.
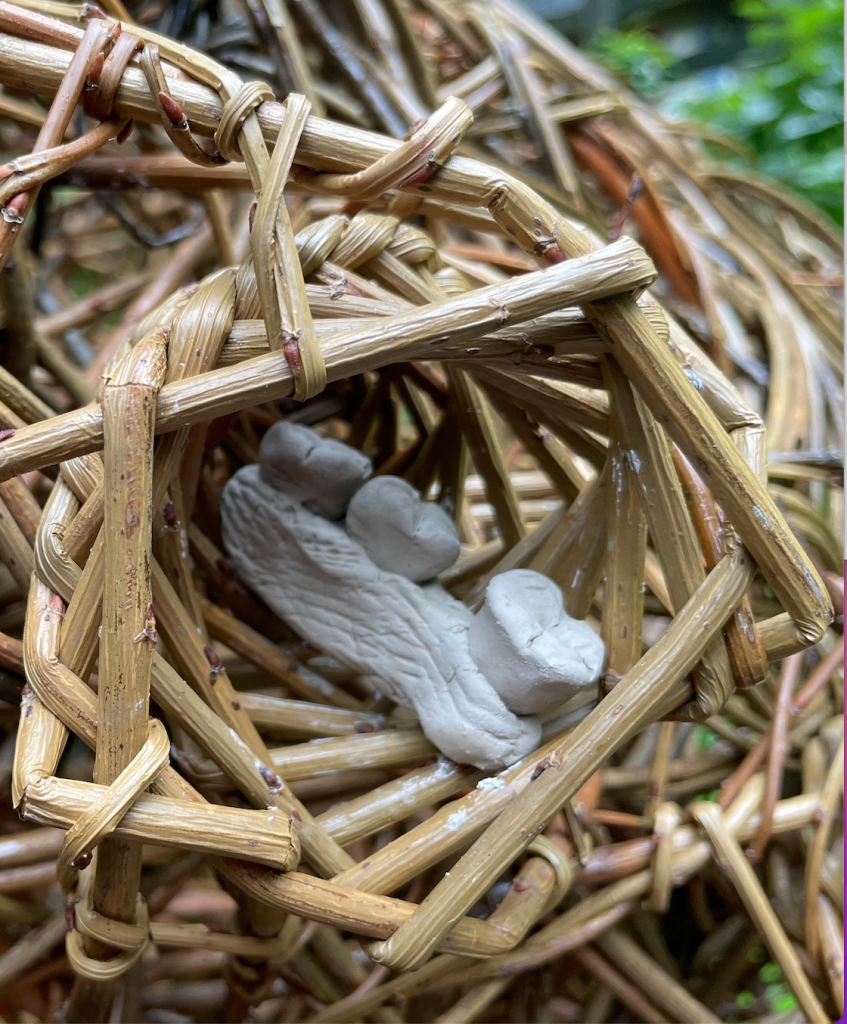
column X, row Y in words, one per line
column 829, row 799
column 129, row 626
column 673, row 537
column 474, row 1003
column 265, row 837
column 525, row 901
column 592, row 916
column 733, row 861
column 626, row 545
column 279, row 279
column 374, row 750
column 627, row 993
column 477, row 426
column 33, row 948
column 395, row 800
column 53, row 129
column 777, row 751
column 832, row 943
column 746, row 653
column 15, row 551
column 668, row 994
column 41, row 741
column 301, row 718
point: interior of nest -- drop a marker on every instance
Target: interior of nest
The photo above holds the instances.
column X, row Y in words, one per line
column 469, row 308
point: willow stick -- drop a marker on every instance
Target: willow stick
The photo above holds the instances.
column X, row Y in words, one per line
column 777, row 752
column 128, row 634
column 305, row 895
column 31, row 847
column 25, row 510
column 253, row 774
column 830, row 797
column 40, row 742
column 264, row 836
column 659, row 767
column 396, row 800
column 672, row 535
column 551, row 455
column 222, row 744
column 627, row 993
column 473, row 1004
column 626, row 547
column 582, row 923
column 197, row 335
column 15, row 550
column 393, row 748
column 573, row 554
column 186, row 255
column 212, row 683
column 80, row 637
column 208, row 679
column 32, row 949
column 52, row 131
column 832, row 949
column 735, row 864
column 300, row 894
column 475, row 420
column 746, row 652
column 302, row 718
column 21, row 400
column 81, row 534
column 522, row 905
column 643, row 970
column 813, row 685
column 279, row 277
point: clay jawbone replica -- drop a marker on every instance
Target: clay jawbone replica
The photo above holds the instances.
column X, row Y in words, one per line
column 363, row 590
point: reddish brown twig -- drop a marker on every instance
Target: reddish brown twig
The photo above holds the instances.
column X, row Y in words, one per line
column 779, row 731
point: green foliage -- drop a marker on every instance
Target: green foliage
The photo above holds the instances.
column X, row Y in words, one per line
column 770, row 974
column 638, row 57
column 780, row 998
column 784, row 97
column 704, row 738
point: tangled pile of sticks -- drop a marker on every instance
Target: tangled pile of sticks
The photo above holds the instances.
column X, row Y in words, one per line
column 465, row 300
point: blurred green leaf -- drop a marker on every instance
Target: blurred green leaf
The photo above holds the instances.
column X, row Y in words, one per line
column 770, row 974
column 783, row 97
column 704, row 739
column 636, row 56
column 785, row 1003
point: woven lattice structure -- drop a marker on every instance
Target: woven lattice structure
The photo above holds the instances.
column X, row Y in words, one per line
column 437, row 311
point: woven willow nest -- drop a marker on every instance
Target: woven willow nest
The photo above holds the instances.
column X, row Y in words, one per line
column 469, row 307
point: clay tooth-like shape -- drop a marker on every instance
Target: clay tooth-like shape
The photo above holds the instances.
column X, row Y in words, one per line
column 528, row 647
column 320, row 473
column 400, row 532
